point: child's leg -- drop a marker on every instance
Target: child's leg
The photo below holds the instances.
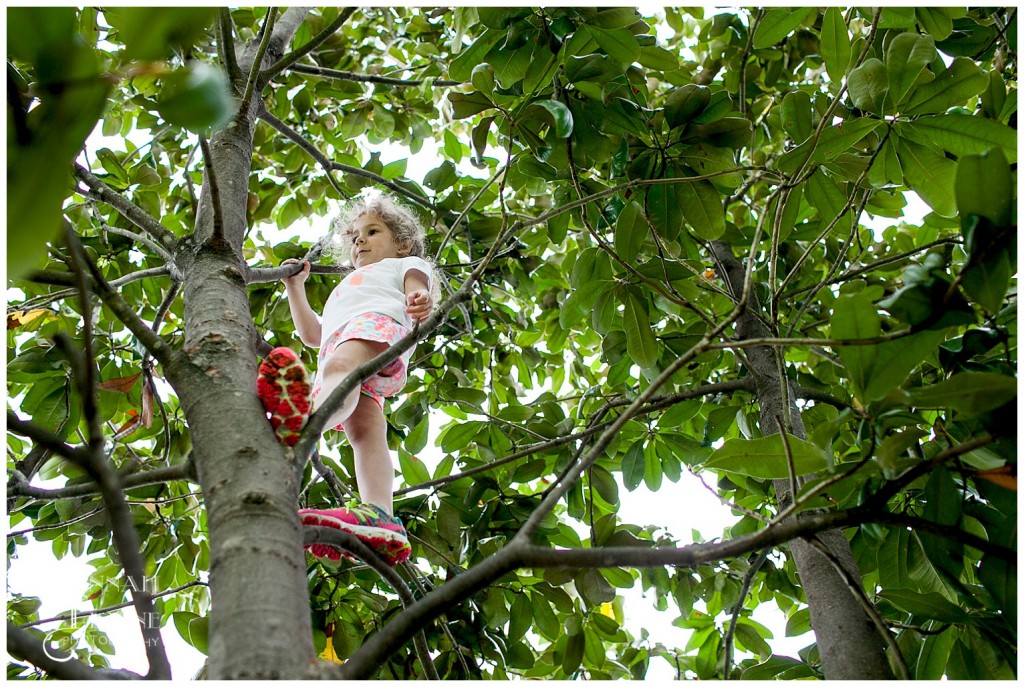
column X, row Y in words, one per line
column 346, row 357
column 366, row 430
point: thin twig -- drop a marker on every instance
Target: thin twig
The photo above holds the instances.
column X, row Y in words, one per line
column 748, row 579
column 225, row 35
column 314, row 43
column 111, row 609
column 368, row 78
column 254, row 70
column 132, row 212
column 138, row 238
column 297, row 138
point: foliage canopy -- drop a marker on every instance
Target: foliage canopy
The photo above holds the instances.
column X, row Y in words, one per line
column 669, row 238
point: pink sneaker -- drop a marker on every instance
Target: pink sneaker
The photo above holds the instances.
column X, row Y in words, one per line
column 371, row 524
column 283, row 388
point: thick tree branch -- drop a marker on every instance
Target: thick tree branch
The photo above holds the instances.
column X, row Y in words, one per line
column 42, row 437
column 314, row 43
column 263, row 275
column 132, row 212
column 57, row 663
column 95, row 462
column 857, row 590
column 364, row 663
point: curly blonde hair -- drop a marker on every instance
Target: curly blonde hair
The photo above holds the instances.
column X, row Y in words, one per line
column 408, row 232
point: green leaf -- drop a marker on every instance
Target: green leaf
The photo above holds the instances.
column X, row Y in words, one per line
column 664, row 211
column 656, row 57
column 706, row 159
column 468, row 104
column 520, row 617
column 153, row 33
column 573, row 656
column 553, row 112
column 970, row 393
column 777, row 24
column 413, row 470
column 685, row 103
column 869, row 85
column 620, row 44
column 875, row 369
column 935, row 21
column 197, row 97
column 482, row 78
column 630, row 231
column 796, row 115
column 701, row 205
column 925, row 604
column 641, row 345
column 834, row 140
column 931, row 662
column 961, row 134
column 604, row 484
column 826, row 197
column 896, row 18
column 765, row 458
column 461, row 68
column 931, row 175
column 962, row 80
column 547, row 622
column 653, row 472
column 906, row 57
column 633, row 465
column 835, row 44
column 886, row 169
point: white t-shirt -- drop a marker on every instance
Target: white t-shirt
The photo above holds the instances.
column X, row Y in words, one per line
column 378, row 287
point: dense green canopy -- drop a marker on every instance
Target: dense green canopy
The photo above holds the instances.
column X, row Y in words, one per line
column 673, row 242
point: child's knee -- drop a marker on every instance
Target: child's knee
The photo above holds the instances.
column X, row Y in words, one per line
column 337, row 365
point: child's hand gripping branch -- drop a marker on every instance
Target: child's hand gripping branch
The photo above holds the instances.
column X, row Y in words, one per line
column 373, row 307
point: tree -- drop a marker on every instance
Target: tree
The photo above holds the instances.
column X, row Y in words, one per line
column 664, row 263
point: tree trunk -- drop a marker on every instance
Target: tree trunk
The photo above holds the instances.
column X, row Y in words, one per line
column 260, row 624
column 848, row 642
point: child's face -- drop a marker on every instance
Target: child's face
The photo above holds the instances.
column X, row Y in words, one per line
column 372, row 241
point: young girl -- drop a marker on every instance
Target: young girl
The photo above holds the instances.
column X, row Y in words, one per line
column 372, row 308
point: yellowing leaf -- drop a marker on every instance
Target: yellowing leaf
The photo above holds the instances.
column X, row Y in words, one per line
column 329, row 654
column 21, row 318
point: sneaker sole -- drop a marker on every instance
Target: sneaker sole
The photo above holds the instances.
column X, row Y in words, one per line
column 393, row 546
column 283, row 389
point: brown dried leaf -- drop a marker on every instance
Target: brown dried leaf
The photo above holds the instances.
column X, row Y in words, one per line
column 121, row 384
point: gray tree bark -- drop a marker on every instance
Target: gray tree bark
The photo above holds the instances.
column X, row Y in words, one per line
column 849, row 645
column 260, row 626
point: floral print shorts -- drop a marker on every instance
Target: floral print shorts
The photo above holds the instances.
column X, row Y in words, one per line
column 369, row 327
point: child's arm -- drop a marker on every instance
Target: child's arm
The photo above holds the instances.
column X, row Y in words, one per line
column 306, row 322
column 418, row 302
